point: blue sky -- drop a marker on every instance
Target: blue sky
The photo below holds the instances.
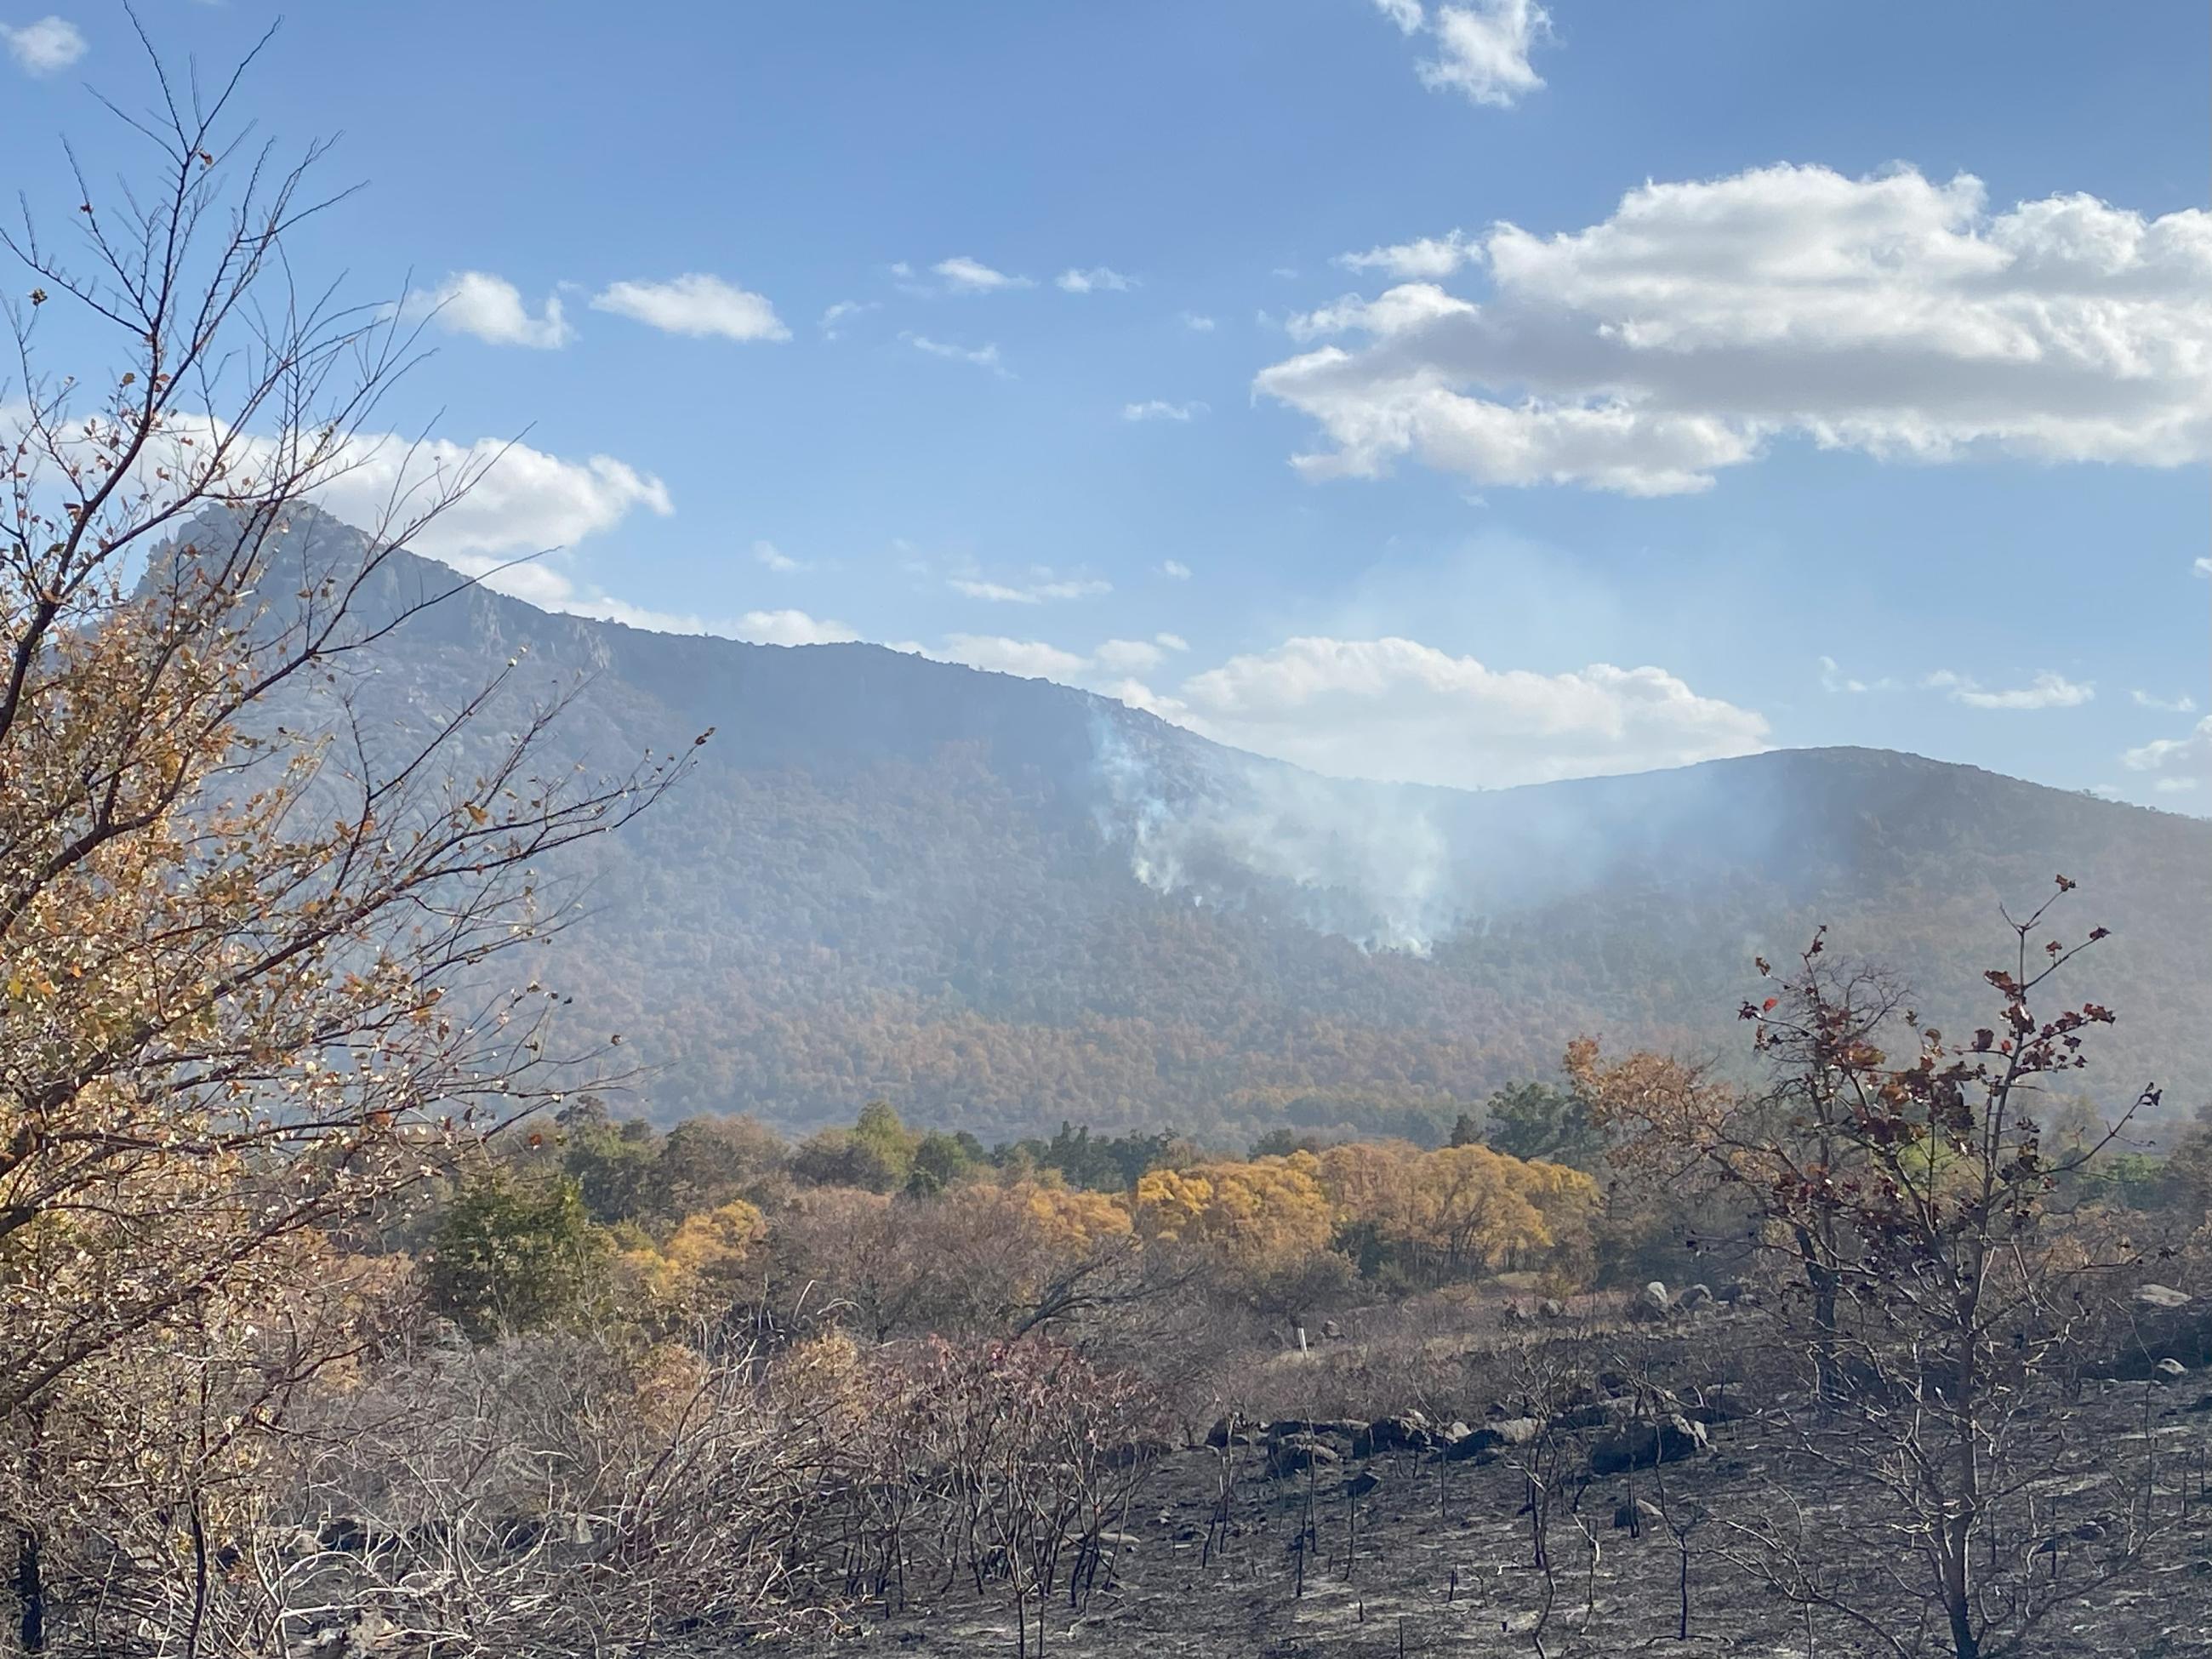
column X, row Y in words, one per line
column 1477, row 393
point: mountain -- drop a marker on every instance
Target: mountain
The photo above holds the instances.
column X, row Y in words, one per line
column 1001, row 902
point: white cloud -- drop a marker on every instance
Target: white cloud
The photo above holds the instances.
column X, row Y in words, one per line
column 1037, row 593
column 983, row 356
column 775, row 558
column 45, row 47
column 1428, row 258
column 1403, row 711
column 2181, row 705
column 1891, row 314
column 525, row 501
column 2046, row 690
column 1196, row 323
column 1833, row 678
column 1128, row 656
column 966, row 276
column 1175, row 569
column 1172, row 641
column 2182, row 762
column 1155, row 408
column 790, row 628
column 1030, row 659
column 1091, row 280
column 696, row 305
column 1482, row 47
column 490, row 308
column 2203, row 566
column 2175, row 785
column 834, row 318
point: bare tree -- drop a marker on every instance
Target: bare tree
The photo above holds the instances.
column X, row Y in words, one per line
column 247, row 991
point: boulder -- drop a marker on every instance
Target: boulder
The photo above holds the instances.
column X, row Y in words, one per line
column 1725, row 1402
column 1231, row 1430
column 1551, row 1308
column 2170, row 1367
column 1331, row 1330
column 1294, row 1454
column 1696, row 1296
column 1639, row 1445
column 1407, row 1431
column 1652, row 1302
column 1361, row 1483
column 2161, row 1296
column 1486, row 1442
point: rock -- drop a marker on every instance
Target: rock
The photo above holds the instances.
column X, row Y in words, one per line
column 1736, row 1291
column 1612, row 1382
column 1361, row 1483
column 1696, row 1296
column 2161, row 1296
column 2170, row 1367
column 1331, row 1330
column 1725, row 1403
column 1551, row 1308
column 1652, row 1302
column 2204, row 1404
column 1407, row 1431
column 1641, row 1444
column 1513, row 1314
column 1294, row 1454
column 1492, row 1438
column 1231, row 1430
column 1454, row 1431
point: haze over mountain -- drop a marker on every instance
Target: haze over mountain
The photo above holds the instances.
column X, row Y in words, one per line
column 1001, row 902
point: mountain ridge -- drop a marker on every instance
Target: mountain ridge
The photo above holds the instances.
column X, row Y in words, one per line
column 999, row 901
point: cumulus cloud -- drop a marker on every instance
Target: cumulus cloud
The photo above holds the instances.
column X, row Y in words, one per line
column 1174, row 569
column 1032, row 660
column 696, row 305
column 1129, row 656
column 2045, row 691
column 790, row 628
column 489, row 308
column 1172, row 642
column 2181, row 763
column 1042, row 591
column 524, row 499
column 1481, row 48
column 1155, row 408
column 965, row 275
column 1401, row 711
column 1196, row 323
column 1891, row 314
column 2181, row 705
column 1427, row 258
column 1093, row 280
column 983, row 356
column 45, row 47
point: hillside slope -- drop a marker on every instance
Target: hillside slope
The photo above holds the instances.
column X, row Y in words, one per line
column 1000, row 903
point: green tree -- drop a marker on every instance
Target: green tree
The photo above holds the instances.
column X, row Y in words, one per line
column 515, row 1253
column 1532, row 1121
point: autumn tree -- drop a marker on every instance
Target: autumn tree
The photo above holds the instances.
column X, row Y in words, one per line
column 1904, row 1180
column 251, row 975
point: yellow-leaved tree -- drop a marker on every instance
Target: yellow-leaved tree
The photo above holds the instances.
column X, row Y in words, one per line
column 247, row 991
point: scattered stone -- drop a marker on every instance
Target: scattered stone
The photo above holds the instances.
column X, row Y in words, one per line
column 1641, row 1444
column 1407, row 1431
column 1551, row 1308
column 1331, row 1330
column 2161, row 1296
column 1696, row 1296
column 1612, row 1382
column 1486, row 1441
column 1652, row 1302
column 1231, row 1430
column 1361, row 1483
column 1294, row 1454
column 2170, row 1367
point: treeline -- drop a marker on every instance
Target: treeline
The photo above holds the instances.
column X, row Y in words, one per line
column 899, row 1231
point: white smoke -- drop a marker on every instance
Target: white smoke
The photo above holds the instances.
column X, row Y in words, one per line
column 1368, row 862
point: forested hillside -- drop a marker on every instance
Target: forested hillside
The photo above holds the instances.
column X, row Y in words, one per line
column 1001, row 902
